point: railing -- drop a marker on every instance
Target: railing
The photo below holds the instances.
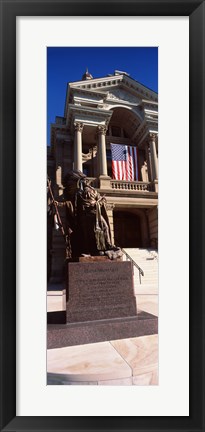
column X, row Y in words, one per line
column 128, row 257
column 129, row 185
column 125, row 185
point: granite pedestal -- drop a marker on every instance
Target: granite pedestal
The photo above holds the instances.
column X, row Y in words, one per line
column 101, row 306
column 59, row 335
column 100, row 290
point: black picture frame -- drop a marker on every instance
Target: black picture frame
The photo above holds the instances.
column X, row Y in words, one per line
column 9, row 11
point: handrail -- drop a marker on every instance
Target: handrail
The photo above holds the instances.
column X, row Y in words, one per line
column 141, row 273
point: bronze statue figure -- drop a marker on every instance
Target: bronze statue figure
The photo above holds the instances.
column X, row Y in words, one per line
column 87, row 221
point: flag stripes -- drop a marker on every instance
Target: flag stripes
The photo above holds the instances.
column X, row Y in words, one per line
column 124, row 162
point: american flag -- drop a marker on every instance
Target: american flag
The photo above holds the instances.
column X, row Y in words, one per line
column 124, row 162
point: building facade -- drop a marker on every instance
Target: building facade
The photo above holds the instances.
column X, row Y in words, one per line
column 119, row 110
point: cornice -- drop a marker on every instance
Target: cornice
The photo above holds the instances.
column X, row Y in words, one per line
column 114, row 80
column 59, row 126
column 87, row 116
column 149, row 103
column 101, row 87
column 79, row 109
column 120, row 198
column 87, row 91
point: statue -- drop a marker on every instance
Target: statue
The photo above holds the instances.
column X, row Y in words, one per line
column 87, row 223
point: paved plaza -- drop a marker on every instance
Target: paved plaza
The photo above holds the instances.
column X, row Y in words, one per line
column 132, row 361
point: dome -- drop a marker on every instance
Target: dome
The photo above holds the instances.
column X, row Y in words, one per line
column 87, row 76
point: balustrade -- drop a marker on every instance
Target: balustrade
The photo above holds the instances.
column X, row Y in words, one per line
column 132, row 186
column 126, row 185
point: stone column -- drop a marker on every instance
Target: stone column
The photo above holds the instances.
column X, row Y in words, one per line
column 149, row 165
column 152, row 144
column 59, row 180
column 59, row 156
column 102, row 158
column 78, row 146
column 109, row 208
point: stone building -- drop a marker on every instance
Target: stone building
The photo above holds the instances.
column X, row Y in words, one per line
column 100, row 111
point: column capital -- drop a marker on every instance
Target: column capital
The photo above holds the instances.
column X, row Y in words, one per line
column 78, row 126
column 152, row 137
column 101, row 130
column 110, row 206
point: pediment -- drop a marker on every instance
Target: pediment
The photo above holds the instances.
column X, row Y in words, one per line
column 120, row 94
column 108, row 94
column 117, row 88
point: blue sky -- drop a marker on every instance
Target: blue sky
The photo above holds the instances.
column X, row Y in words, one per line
column 69, row 64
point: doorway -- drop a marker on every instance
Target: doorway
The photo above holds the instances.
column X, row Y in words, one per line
column 127, row 229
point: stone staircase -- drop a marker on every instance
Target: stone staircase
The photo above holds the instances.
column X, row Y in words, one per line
column 147, row 259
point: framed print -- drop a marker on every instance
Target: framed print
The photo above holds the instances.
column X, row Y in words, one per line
column 28, row 29
column 105, row 196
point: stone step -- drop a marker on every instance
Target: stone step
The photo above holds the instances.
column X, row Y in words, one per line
column 137, row 282
column 144, row 261
column 148, row 289
column 146, row 267
column 147, row 260
column 147, row 277
column 147, row 274
column 146, row 286
column 143, row 255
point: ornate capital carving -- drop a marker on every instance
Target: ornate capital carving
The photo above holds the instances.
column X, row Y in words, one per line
column 102, row 130
column 110, row 206
column 152, row 137
column 78, row 126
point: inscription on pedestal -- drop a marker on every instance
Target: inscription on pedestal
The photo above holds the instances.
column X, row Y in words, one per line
column 100, row 290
